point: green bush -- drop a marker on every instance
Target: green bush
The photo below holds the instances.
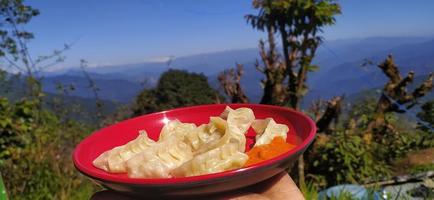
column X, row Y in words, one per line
column 175, row 88
column 36, row 153
column 351, row 154
column 346, row 158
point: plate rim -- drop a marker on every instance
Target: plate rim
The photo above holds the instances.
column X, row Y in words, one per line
column 201, row 178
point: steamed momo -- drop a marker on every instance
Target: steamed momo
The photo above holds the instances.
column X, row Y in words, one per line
column 186, row 132
column 114, row 160
column 192, row 135
column 187, row 149
column 225, row 157
column 237, row 123
column 158, row 160
column 267, row 129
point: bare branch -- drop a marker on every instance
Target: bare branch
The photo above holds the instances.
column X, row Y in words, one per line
column 424, row 88
column 390, row 69
column 93, row 87
column 331, row 114
column 230, row 80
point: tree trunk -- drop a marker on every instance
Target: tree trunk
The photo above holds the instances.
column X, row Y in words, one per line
column 274, row 70
column 300, row 166
column 267, row 97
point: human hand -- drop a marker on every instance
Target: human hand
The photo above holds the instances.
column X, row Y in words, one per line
column 279, row 187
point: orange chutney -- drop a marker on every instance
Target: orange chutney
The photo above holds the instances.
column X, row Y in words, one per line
column 264, row 152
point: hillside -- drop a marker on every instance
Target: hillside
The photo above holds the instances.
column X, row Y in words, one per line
column 74, row 107
column 340, row 71
column 351, row 77
column 110, row 89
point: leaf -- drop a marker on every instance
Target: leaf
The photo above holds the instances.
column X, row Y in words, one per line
column 312, row 68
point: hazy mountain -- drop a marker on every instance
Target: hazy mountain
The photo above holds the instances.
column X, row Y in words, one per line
column 340, row 68
column 73, row 105
column 110, row 89
column 351, row 77
column 348, row 76
column 332, row 53
column 212, row 63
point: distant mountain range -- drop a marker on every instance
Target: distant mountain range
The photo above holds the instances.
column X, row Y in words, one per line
column 78, row 108
column 351, row 77
column 115, row 89
column 340, row 69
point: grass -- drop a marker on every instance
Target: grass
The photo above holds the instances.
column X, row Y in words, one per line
column 3, row 194
column 421, row 168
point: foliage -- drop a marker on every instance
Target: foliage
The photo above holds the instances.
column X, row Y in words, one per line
column 14, row 40
column 14, row 50
column 14, row 13
column 361, row 112
column 422, row 168
column 15, row 122
column 309, row 190
column 394, row 146
column 35, row 145
column 395, row 96
column 35, row 153
column 427, row 114
column 175, row 88
column 299, row 23
column 349, row 155
column 92, row 86
column 346, row 158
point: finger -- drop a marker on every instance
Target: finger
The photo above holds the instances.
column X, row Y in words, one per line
column 279, row 187
column 247, row 196
column 282, row 187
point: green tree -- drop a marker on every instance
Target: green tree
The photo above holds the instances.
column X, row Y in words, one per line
column 299, row 23
column 427, row 114
column 35, row 149
column 13, row 14
column 346, row 158
column 34, row 143
column 175, row 88
column 14, row 48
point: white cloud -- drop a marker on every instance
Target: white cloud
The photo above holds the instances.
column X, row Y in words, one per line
column 159, row 59
column 62, row 67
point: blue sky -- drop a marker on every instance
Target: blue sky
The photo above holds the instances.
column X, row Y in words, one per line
column 106, row 32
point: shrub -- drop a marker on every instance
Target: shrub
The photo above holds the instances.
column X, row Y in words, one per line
column 176, row 88
column 36, row 153
column 346, row 158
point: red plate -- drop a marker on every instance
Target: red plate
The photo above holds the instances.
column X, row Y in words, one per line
column 301, row 132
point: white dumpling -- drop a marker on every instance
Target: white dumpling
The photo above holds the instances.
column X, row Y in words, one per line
column 208, row 133
column 241, row 119
column 225, row 113
column 237, row 123
column 168, row 129
column 212, row 131
column 186, row 132
column 226, row 157
column 194, row 136
column 158, row 160
column 217, row 124
column 259, row 126
column 267, row 129
column 114, row 160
